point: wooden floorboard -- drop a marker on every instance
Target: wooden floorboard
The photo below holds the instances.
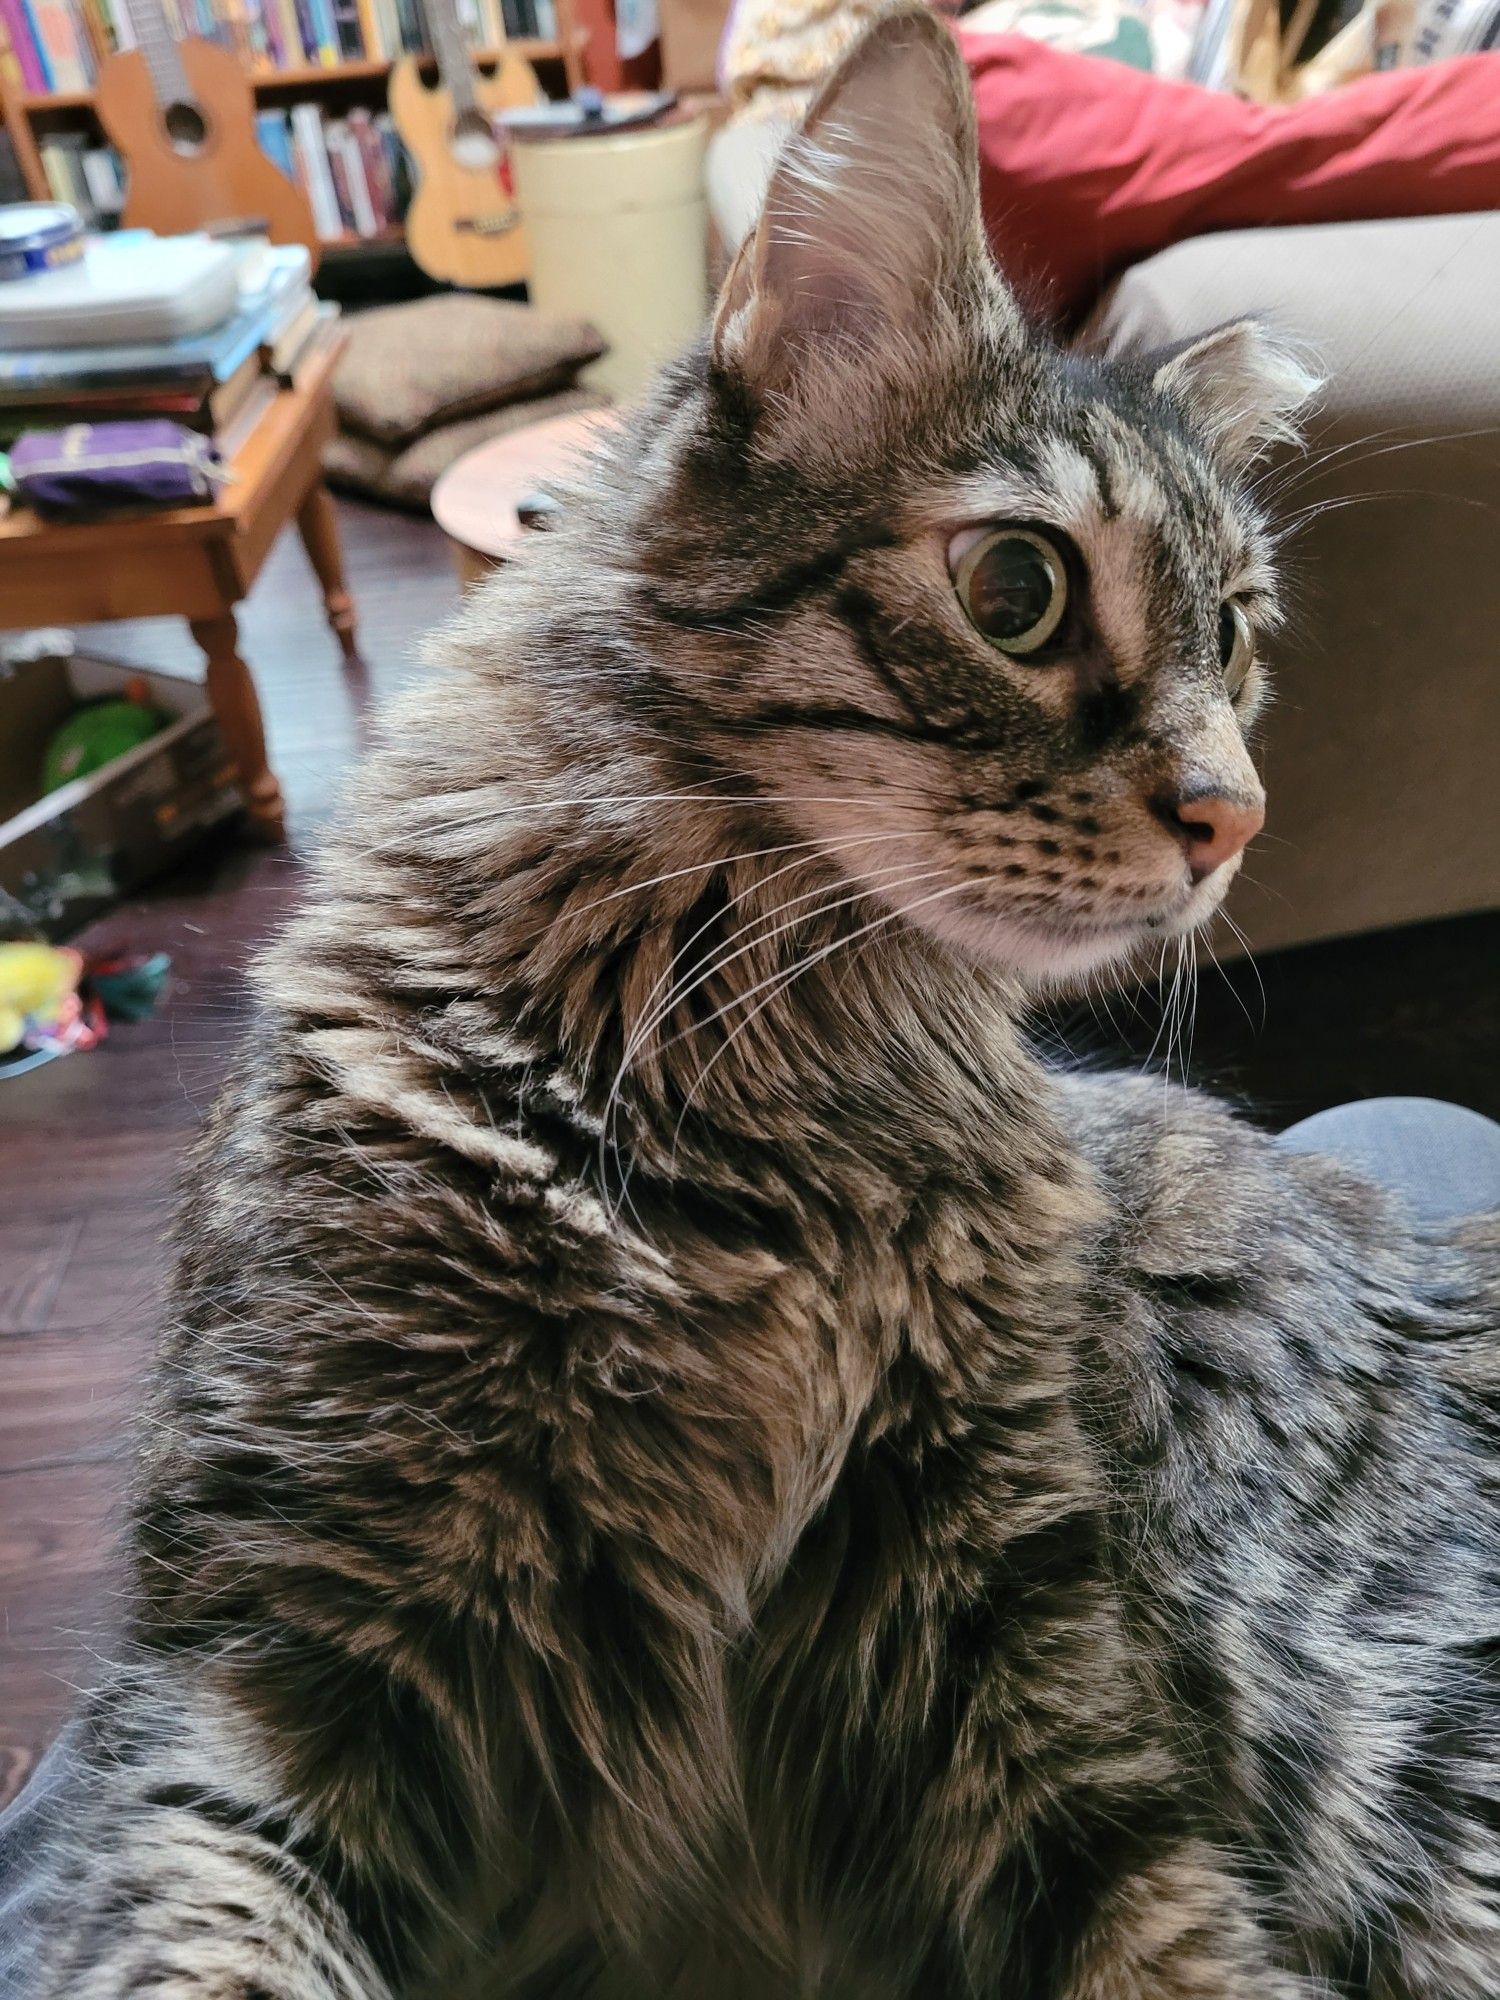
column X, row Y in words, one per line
column 90, row 1147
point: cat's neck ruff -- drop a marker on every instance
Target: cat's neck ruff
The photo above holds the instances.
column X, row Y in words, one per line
column 696, row 979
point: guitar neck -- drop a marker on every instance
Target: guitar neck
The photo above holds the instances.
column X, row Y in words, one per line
column 455, row 64
column 159, row 46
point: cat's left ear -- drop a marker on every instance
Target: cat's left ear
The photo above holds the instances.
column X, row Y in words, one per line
column 1240, row 385
column 871, row 216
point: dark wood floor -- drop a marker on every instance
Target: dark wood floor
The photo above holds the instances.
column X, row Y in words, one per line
column 89, row 1147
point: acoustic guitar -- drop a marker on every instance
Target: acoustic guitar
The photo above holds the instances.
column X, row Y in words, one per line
column 182, row 117
column 463, row 225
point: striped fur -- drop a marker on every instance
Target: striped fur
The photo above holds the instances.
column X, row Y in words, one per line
column 686, row 1461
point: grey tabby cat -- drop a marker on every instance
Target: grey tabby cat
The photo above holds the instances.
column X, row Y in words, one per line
column 685, row 1460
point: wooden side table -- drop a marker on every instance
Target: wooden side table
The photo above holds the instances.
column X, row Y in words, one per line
column 197, row 563
column 475, row 500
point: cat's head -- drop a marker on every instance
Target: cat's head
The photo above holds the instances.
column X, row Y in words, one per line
column 980, row 614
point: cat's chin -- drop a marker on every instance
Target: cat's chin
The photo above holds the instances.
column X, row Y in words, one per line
column 1048, row 957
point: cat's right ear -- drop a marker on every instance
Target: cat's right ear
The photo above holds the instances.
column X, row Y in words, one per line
column 871, row 220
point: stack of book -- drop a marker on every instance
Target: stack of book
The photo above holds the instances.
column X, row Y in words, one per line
column 354, row 170
column 57, row 45
column 220, row 382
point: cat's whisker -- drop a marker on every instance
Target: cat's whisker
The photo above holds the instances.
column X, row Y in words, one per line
column 779, row 982
column 1244, row 943
column 843, row 898
column 1229, row 983
column 675, row 995
column 733, row 859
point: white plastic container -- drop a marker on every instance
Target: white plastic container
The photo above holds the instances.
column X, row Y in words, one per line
column 131, row 287
column 618, row 223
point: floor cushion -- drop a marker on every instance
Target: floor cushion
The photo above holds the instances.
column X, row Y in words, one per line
column 408, row 368
column 405, row 476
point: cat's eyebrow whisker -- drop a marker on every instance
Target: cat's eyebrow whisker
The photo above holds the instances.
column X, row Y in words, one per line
column 1315, row 462
column 1301, row 517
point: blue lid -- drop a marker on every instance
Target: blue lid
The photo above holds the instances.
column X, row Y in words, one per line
column 36, row 225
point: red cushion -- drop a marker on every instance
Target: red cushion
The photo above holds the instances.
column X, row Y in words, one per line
column 1087, row 165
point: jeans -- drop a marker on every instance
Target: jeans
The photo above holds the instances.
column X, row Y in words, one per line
column 1443, row 1159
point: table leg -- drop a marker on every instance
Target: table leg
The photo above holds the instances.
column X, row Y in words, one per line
column 236, row 705
column 318, row 526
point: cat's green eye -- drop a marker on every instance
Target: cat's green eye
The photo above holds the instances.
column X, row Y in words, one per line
column 1013, row 585
column 1236, row 646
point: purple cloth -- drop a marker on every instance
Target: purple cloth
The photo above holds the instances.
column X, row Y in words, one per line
column 89, row 468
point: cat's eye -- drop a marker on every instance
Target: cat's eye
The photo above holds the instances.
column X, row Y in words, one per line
column 1236, row 646
column 1013, row 585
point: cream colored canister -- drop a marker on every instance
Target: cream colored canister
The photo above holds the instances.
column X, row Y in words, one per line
column 619, row 235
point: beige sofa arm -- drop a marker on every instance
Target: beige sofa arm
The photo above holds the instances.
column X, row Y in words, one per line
column 1382, row 749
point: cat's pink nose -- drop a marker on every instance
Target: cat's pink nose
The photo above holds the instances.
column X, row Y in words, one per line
column 1212, row 826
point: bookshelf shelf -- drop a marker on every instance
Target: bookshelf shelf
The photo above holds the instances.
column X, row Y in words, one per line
column 304, row 76
column 349, row 243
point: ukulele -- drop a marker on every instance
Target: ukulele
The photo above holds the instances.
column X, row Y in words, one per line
column 182, row 117
column 463, row 224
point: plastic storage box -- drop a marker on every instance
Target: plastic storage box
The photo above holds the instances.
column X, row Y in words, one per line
column 129, row 287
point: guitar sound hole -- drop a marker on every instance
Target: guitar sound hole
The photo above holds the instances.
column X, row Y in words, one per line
column 473, row 141
column 186, row 127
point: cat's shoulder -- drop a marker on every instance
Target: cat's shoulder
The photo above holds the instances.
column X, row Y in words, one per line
column 1195, row 1187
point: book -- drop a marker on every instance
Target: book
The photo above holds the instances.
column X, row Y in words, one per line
column 62, row 47
column 349, row 42
column 338, row 174
column 22, row 46
column 376, row 165
column 12, row 180
column 289, row 31
column 233, row 433
column 281, row 347
column 307, row 29
column 121, row 28
column 106, row 182
column 275, row 140
column 369, row 31
column 34, row 37
column 315, row 175
column 65, row 163
column 326, row 41
column 226, row 399
column 345, row 149
column 205, row 410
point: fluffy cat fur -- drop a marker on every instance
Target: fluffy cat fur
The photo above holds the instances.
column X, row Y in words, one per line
column 685, row 1460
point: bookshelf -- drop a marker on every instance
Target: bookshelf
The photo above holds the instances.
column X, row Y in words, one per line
column 31, row 117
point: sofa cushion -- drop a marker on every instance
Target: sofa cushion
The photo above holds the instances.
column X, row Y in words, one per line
column 1087, row 166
